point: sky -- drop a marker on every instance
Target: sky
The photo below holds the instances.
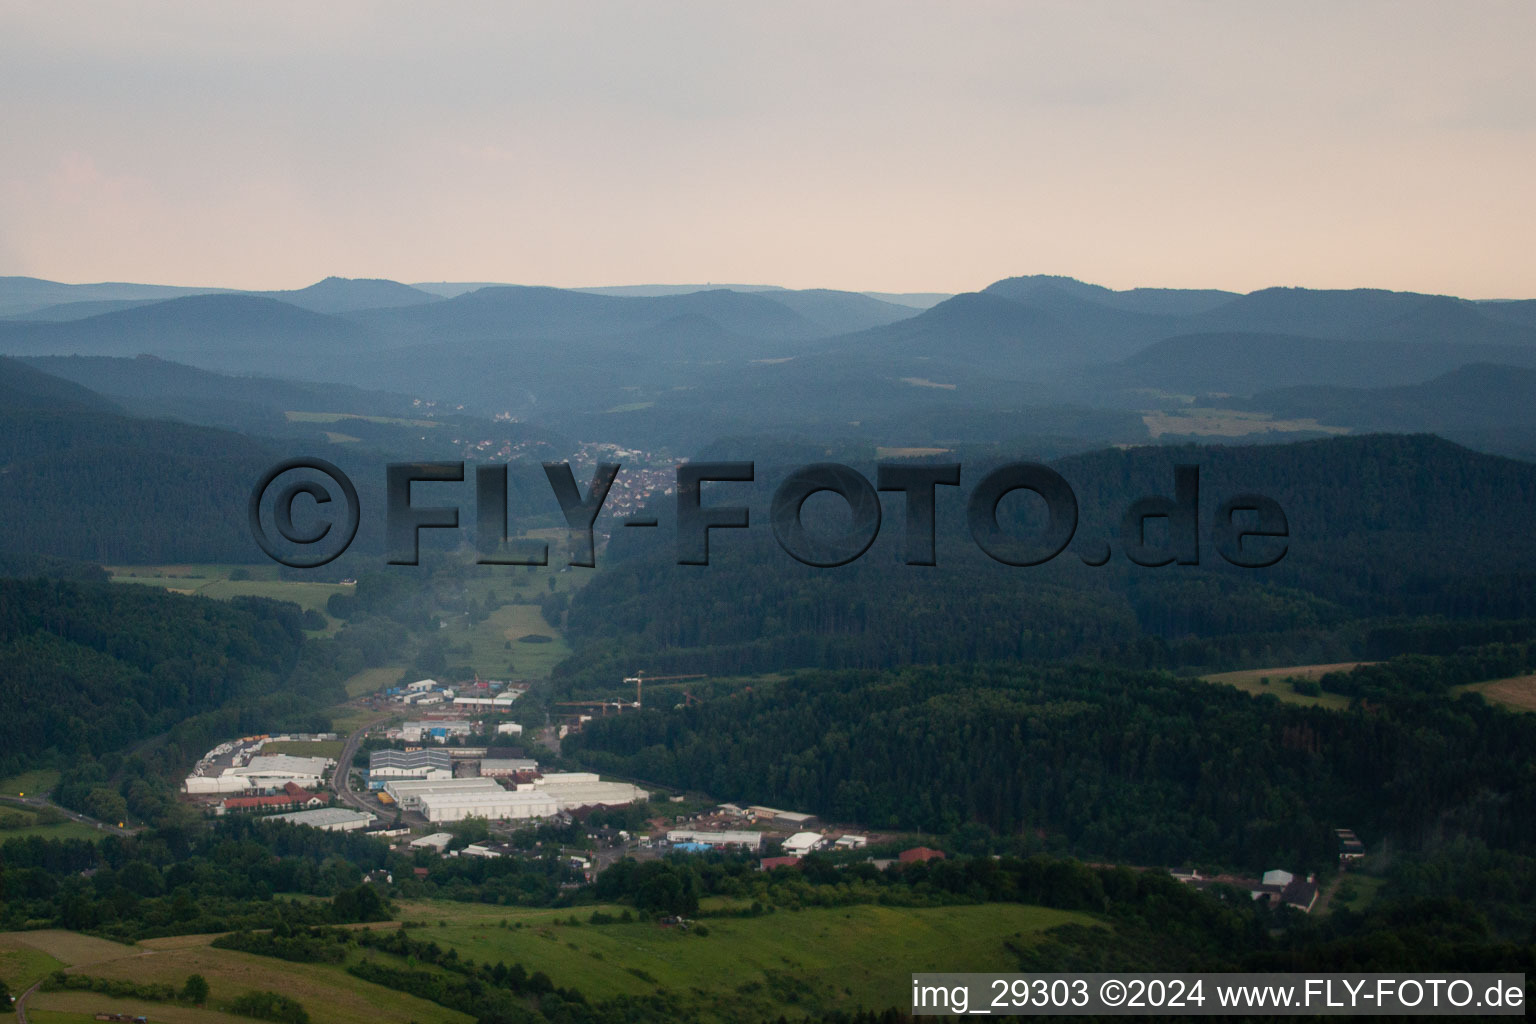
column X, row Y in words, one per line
column 895, row 147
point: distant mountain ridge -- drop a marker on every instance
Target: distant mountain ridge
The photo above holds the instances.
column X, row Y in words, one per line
column 709, row 360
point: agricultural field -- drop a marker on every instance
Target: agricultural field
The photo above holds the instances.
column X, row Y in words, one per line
column 791, row 961
column 327, row 992
column 1517, row 693
column 1252, row 681
column 215, row 581
column 22, row 964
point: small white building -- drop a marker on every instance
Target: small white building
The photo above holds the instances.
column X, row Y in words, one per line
column 476, row 850
column 436, row 841
column 851, row 842
column 500, row 767
column 509, row 729
column 421, row 685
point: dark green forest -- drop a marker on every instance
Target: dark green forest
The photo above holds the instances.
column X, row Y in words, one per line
column 1130, row 766
column 1383, row 531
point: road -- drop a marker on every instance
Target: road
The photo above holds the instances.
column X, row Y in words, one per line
column 21, row 1003
column 341, row 779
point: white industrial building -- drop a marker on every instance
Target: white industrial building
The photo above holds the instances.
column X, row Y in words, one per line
column 746, row 840
column 583, row 789
column 851, row 842
column 415, row 732
column 422, row 685
column 408, row 793
column 436, row 841
column 499, row 805
column 409, row 764
column 329, row 819
column 774, row 814
column 509, row 729
column 274, row 771
column 216, row 785
column 498, row 767
column 802, row 843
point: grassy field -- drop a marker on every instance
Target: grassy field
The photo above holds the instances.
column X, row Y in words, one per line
column 345, row 720
column 371, row 680
column 327, row 992
column 213, row 581
column 1357, row 891
column 36, row 783
column 25, row 825
column 809, row 961
column 794, row 962
column 1517, row 692
column 21, row 964
column 1251, row 681
column 493, row 643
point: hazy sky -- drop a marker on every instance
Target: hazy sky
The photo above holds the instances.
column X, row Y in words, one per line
column 933, row 146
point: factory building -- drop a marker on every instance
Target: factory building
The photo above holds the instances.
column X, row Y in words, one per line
column 211, row 785
column 436, row 841
column 501, row 767
column 422, row 685
column 583, row 789
column 416, row 732
column 413, row 764
column 802, row 843
column 787, row 817
column 744, row 840
column 408, row 793
column 274, row 771
column 329, row 819
column 498, row 805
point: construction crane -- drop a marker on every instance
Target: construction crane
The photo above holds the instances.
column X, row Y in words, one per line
column 639, row 679
column 688, row 700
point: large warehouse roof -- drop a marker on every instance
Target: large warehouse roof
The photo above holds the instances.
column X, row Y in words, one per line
column 410, row 791
column 326, row 818
column 409, row 759
column 282, row 765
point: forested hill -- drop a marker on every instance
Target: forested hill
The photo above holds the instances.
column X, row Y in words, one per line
column 109, row 488
column 89, row 668
column 1381, row 527
column 1134, row 766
